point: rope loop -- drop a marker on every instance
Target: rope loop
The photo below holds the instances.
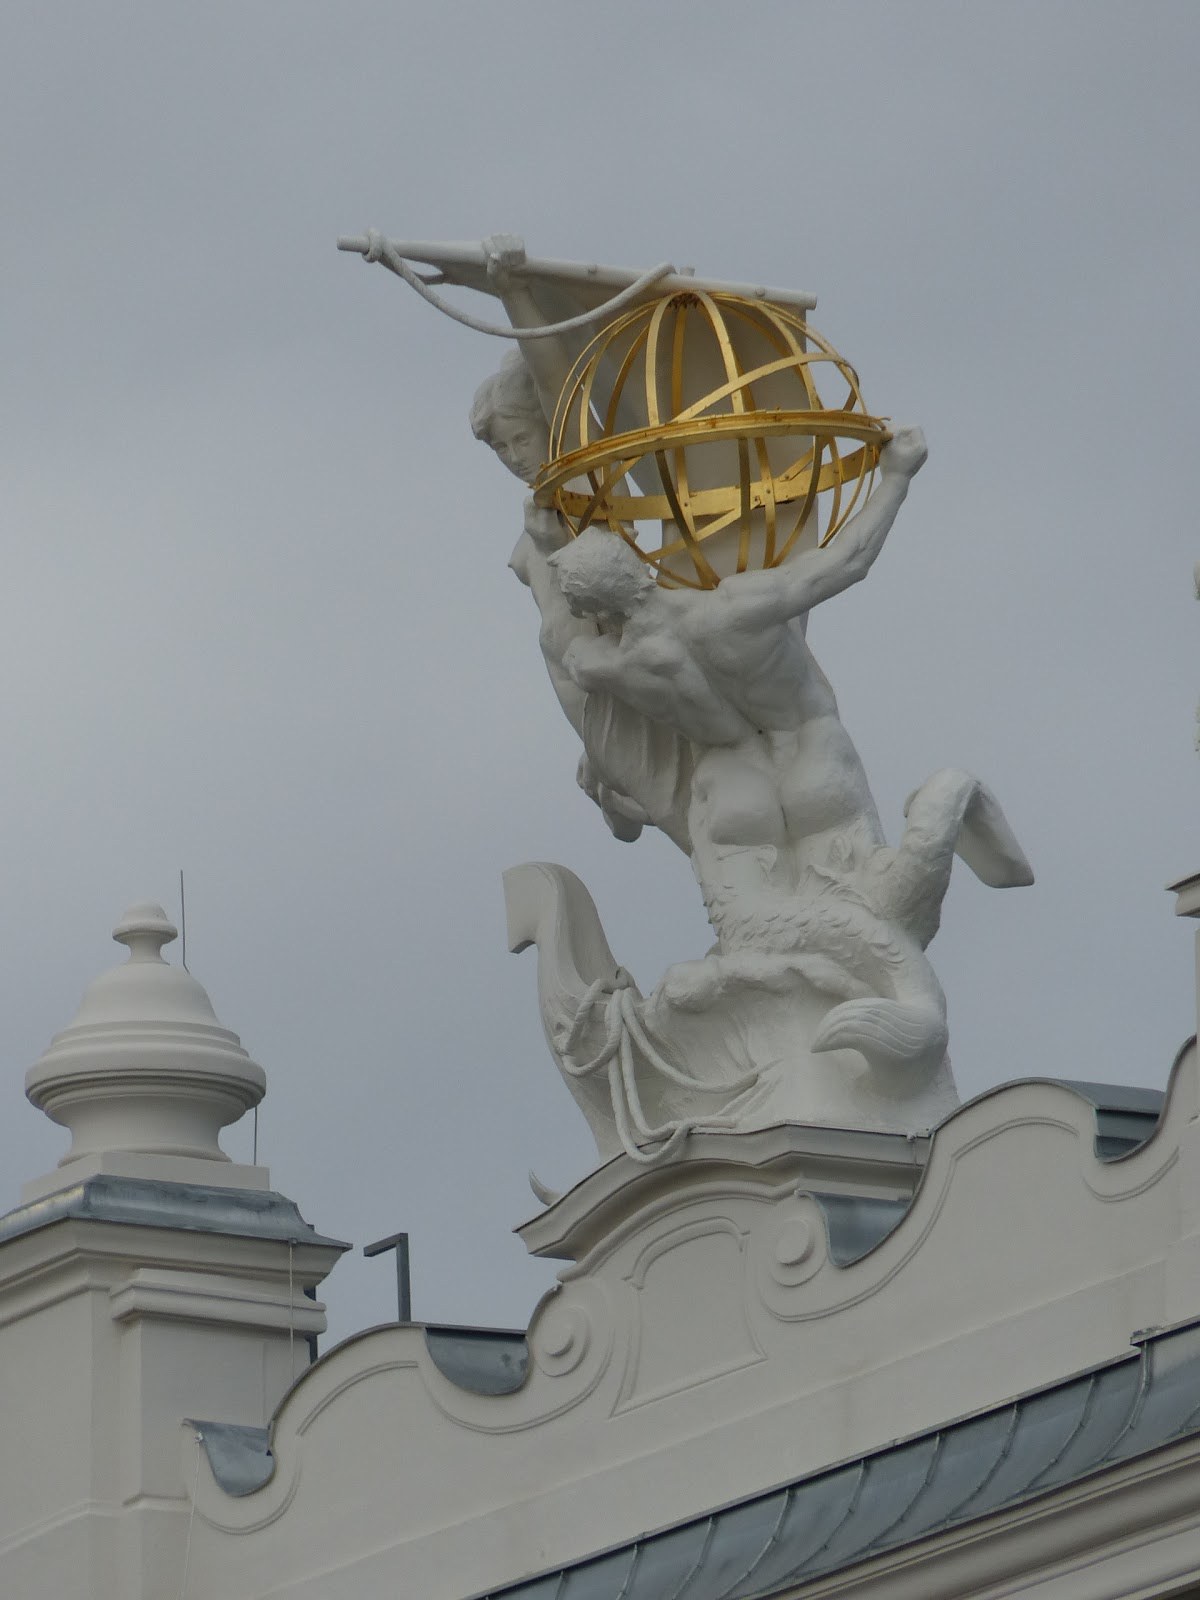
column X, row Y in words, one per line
column 378, row 249
column 627, row 1043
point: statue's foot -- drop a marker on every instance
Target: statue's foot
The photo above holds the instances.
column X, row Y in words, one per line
column 693, row 985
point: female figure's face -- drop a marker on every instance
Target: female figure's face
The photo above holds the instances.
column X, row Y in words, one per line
column 519, row 443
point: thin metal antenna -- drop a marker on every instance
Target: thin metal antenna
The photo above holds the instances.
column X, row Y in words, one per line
column 182, row 923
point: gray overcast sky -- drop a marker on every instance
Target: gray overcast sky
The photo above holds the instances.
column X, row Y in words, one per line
column 257, row 620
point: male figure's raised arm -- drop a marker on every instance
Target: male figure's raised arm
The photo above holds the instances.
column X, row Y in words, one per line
column 788, row 591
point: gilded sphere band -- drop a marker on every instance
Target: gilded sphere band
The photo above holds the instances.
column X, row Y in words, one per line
column 735, row 471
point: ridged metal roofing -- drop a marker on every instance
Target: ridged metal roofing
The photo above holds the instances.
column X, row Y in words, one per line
column 906, row 1492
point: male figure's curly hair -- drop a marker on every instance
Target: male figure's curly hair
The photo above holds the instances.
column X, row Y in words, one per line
column 603, row 571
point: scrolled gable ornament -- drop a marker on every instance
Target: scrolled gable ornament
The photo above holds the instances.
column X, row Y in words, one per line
column 704, row 473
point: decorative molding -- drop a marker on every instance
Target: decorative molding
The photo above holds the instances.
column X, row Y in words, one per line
column 716, row 1347
column 208, row 1297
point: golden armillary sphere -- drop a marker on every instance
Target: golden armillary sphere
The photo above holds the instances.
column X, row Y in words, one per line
column 695, row 427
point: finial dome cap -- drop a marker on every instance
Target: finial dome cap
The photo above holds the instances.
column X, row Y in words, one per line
column 145, row 1066
column 145, row 925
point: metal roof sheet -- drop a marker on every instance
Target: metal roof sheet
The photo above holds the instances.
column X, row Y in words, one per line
column 483, row 1360
column 240, row 1456
column 905, row 1492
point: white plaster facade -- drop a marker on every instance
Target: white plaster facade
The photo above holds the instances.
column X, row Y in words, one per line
column 764, row 1307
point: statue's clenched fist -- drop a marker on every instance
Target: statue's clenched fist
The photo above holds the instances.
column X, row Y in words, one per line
column 904, row 453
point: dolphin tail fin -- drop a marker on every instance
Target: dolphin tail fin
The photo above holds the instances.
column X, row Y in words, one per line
column 988, row 845
column 889, row 1033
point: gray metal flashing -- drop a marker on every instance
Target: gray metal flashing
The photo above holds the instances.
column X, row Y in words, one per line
column 908, row 1491
column 1126, row 1116
column 150, row 1203
column 483, row 1360
column 1114, row 1096
column 856, row 1223
column 240, row 1457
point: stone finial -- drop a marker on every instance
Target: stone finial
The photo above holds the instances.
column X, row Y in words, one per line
column 145, row 1066
column 144, row 929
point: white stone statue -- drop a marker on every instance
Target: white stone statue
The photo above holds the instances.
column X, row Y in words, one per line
column 702, row 712
column 705, row 713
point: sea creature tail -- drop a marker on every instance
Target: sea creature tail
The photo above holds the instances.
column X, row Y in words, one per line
column 889, row 1033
